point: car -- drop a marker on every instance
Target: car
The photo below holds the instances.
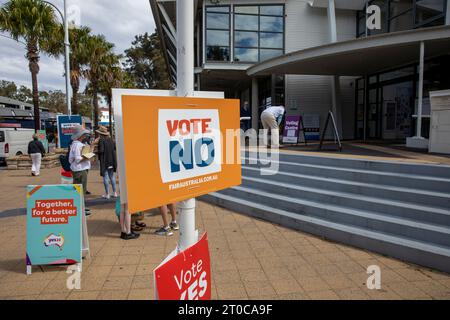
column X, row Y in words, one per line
column 14, row 142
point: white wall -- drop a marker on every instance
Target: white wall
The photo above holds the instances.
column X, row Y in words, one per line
column 308, row 27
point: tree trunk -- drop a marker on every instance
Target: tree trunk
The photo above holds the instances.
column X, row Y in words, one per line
column 75, row 83
column 33, row 64
column 95, row 105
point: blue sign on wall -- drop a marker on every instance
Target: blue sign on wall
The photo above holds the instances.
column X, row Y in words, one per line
column 66, row 125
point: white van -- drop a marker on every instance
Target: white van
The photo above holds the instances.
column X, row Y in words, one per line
column 14, row 141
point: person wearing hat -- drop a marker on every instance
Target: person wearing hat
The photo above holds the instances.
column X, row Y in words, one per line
column 36, row 151
column 106, row 151
column 79, row 164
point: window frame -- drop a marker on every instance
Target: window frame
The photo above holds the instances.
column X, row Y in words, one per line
column 258, row 31
column 206, row 28
column 389, row 18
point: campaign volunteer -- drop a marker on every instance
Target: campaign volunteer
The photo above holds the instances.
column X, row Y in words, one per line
column 271, row 119
column 79, row 164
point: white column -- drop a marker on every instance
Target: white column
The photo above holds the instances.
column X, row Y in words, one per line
column 185, row 87
column 420, row 94
column 185, row 48
column 335, row 80
column 447, row 17
column 332, row 20
column 255, row 104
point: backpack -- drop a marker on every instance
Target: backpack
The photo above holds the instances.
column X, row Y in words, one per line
column 64, row 159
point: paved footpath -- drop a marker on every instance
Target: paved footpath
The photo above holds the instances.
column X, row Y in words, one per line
column 251, row 259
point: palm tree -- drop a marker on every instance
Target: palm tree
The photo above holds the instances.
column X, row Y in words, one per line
column 114, row 77
column 78, row 59
column 98, row 53
column 33, row 21
column 78, row 56
column 111, row 78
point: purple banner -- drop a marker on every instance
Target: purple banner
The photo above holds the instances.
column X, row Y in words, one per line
column 291, row 129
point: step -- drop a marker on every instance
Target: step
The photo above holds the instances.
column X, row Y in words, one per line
column 344, row 215
column 400, row 209
column 418, row 252
column 412, row 195
column 376, row 177
column 431, row 170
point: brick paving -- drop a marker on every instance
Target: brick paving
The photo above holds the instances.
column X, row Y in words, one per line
column 251, row 259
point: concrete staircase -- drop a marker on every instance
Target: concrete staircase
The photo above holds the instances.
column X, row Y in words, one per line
column 397, row 209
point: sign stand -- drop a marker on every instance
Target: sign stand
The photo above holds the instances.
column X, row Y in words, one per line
column 85, row 251
column 56, row 226
column 302, row 130
column 335, row 131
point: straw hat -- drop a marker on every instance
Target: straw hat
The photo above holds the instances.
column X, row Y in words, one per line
column 78, row 132
column 103, row 131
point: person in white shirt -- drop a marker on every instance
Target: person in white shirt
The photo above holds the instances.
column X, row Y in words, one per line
column 78, row 164
column 271, row 119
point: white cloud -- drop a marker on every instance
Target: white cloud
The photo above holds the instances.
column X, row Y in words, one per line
column 118, row 20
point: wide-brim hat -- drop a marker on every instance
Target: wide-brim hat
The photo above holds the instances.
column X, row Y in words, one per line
column 78, row 132
column 103, row 131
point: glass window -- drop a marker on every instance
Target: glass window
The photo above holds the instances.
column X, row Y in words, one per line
column 218, row 33
column 217, row 21
column 272, row 10
column 397, row 7
column 246, row 9
column 246, row 55
column 245, row 39
column 245, row 22
column 223, row 9
column 361, row 25
column 434, row 23
column 216, row 53
column 271, row 40
column 266, row 54
column 260, row 36
column 409, row 71
column 428, row 9
column 272, row 24
column 217, row 38
column 402, row 22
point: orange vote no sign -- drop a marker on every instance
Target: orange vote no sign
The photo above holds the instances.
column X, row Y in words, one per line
column 178, row 148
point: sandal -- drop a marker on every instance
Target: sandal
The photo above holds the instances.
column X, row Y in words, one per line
column 134, row 227
column 140, row 224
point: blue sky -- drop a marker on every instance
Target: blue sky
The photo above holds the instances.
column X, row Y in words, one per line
column 118, row 20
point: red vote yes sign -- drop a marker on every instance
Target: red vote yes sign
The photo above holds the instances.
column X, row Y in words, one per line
column 186, row 276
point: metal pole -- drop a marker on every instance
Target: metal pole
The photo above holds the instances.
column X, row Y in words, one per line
column 67, row 50
column 185, row 87
column 419, row 104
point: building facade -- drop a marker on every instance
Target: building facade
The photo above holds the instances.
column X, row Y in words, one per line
column 257, row 51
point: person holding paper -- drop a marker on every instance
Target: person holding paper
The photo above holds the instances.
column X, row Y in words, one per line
column 79, row 164
column 271, row 119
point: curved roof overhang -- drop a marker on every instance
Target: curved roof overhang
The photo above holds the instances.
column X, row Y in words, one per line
column 359, row 57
